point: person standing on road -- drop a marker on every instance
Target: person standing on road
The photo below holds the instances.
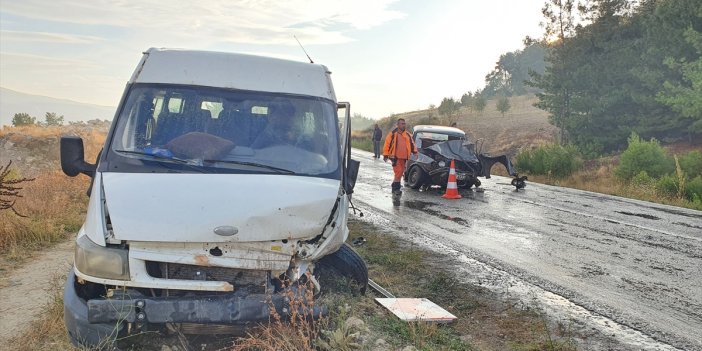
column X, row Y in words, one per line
column 377, row 137
column 398, row 148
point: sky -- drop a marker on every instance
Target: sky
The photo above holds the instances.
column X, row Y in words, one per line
column 386, row 56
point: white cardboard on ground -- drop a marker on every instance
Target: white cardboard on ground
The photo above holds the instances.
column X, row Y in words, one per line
column 413, row 310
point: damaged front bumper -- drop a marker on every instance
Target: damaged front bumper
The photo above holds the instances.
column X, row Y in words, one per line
column 217, row 309
column 90, row 322
column 75, row 316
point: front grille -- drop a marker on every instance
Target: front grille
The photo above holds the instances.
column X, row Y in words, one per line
column 254, row 281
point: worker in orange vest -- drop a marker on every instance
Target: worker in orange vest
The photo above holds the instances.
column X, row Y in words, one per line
column 398, row 148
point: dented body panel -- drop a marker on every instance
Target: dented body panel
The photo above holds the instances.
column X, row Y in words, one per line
column 189, row 207
column 438, row 146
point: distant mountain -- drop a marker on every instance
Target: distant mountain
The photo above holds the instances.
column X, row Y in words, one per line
column 12, row 102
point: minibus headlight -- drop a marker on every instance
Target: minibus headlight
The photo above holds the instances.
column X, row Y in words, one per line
column 101, row 262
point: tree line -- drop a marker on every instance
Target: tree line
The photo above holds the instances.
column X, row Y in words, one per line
column 25, row 119
column 614, row 67
column 604, row 69
column 508, row 78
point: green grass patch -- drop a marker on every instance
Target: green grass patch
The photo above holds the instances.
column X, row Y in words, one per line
column 552, row 160
column 362, row 143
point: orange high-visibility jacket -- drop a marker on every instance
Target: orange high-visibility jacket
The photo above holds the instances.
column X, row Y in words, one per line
column 390, row 147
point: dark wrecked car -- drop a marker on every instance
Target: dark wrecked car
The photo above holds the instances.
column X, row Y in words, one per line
column 437, row 146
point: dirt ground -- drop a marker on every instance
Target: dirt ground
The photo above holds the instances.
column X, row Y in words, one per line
column 23, row 291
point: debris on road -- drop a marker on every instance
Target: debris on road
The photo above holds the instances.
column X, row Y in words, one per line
column 416, row 310
column 380, row 289
column 358, row 241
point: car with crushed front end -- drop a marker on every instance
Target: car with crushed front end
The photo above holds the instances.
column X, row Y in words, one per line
column 223, row 184
column 438, row 146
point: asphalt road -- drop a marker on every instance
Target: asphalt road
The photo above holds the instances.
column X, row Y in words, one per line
column 633, row 268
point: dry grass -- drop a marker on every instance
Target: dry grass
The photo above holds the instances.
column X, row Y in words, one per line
column 47, row 332
column 298, row 333
column 41, row 144
column 54, row 203
column 32, row 130
column 523, row 126
column 92, row 137
column 599, row 177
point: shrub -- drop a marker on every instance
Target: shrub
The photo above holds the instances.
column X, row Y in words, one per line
column 693, row 189
column 361, row 139
column 23, row 119
column 646, row 156
column 592, row 149
column 558, row 161
column 691, row 163
column 524, row 161
column 10, row 188
column 642, row 179
column 696, row 202
column 363, row 144
column 667, row 186
column 564, row 161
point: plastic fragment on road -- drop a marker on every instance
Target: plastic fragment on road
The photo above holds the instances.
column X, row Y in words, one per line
column 416, row 310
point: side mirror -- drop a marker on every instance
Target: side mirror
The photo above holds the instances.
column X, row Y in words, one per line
column 73, row 157
column 351, row 175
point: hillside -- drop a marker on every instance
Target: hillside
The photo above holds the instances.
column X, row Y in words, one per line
column 12, row 102
column 34, row 149
column 522, row 126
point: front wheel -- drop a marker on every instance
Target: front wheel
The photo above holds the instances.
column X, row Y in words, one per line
column 416, row 177
column 348, row 263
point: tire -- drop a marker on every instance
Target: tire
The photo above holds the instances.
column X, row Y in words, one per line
column 416, row 177
column 348, row 263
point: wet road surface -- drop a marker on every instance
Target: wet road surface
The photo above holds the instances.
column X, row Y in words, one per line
column 632, row 267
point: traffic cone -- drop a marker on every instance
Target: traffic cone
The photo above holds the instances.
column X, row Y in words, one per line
column 452, row 187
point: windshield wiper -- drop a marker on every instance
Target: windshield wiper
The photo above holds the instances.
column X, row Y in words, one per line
column 253, row 164
column 161, row 157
